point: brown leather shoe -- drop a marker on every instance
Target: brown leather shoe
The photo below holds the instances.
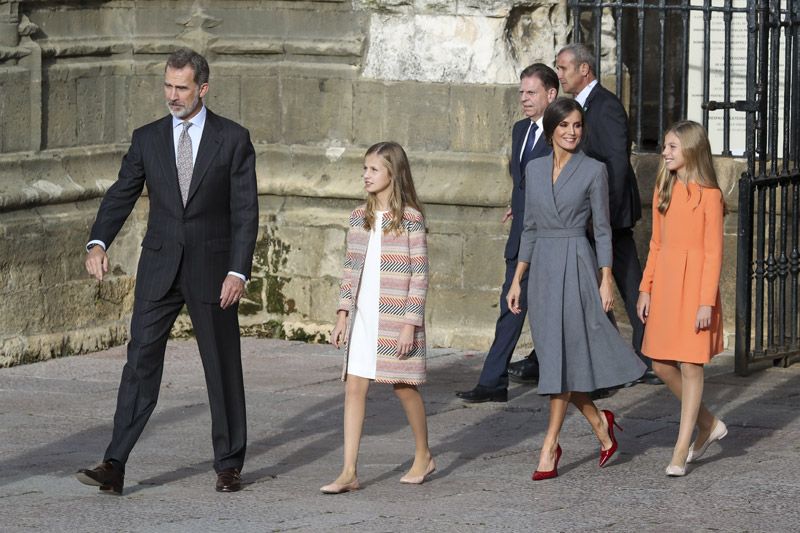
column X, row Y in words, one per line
column 109, row 479
column 229, row 480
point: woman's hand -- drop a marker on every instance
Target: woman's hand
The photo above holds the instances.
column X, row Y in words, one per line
column 703, row 320
column 643, row 306
column 405, row 341
column 606, row 290
column 339, row 331
column 512, row 298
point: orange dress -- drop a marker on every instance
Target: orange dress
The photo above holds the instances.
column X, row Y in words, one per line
column 682, row 273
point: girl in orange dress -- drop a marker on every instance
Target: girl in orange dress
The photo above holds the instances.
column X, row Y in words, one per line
column 679, row 297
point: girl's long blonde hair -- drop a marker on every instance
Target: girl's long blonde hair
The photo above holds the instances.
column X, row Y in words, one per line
column 697, row 161
column 403, row 192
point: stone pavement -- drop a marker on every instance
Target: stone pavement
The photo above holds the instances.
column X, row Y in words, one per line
column 56, row 417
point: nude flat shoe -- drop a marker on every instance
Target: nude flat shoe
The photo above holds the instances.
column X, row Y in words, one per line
column 419, row 480
column 339, row 488
column 676, row 471
column 718, row 433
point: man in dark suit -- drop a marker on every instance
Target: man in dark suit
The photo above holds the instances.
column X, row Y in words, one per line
column 538, row 87
column 606, row 138
column 199, row 169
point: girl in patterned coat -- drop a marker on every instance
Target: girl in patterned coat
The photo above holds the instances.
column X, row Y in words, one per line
column 381, row 313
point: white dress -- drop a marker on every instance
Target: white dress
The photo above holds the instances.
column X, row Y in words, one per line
column 364, row 338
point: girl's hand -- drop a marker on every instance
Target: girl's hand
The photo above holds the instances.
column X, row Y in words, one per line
column 339, row 331
column 643, row 306
column 606, row 294
column 405, row 341
column 703, row 320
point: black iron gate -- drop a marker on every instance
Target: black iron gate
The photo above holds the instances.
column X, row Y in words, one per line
column 653, row 41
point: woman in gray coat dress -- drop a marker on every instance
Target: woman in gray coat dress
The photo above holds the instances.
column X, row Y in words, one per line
column 579, row 348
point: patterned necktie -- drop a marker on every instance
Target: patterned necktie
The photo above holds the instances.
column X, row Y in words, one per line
column 527, row 152
column 185, row 164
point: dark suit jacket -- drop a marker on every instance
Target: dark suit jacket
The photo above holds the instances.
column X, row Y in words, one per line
column 214, row 234
column 518, row 192
column 606, row 139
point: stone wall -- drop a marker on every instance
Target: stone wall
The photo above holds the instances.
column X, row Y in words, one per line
column 316, row 82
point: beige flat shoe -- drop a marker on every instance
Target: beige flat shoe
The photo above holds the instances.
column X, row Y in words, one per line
column 419, row 480
column 718, row 433
column 339, row 488
column 676, row 471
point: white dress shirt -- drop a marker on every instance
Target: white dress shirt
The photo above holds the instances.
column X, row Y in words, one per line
column 538, row 134
column 584, row 94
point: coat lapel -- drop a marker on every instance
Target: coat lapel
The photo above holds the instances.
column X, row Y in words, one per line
column 567, row 172
column 541, row 148
column 166, row 154
column 596, row 89
column 210, row 144
column 544, row 181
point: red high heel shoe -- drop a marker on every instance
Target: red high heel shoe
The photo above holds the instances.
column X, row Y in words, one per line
column 605, row 455
column 539, row 475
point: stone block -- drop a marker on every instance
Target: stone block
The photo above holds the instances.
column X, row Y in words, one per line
column 484, row 265
column 60, row 110
column 261, row 108
column 462, row 179
column 146, row 100
column 478, row 118
column 22, row 312
column 95, row 110
column 438, row 48
column 447, row 308
column 369, row 123
column 316, row 110
column 417, row 115
column 15, row 110
column 324, row 299
column 225, row 93
column 445, row 257
column 297, row 297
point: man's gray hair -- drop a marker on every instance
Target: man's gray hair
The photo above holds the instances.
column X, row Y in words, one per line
column 581, row 54
column 186, row 56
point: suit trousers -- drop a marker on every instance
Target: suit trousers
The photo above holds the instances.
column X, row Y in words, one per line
column 627, row 272
column 217, row 333
column 506, row 334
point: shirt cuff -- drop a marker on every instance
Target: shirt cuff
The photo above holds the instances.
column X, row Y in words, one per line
column 101, row 243
column 240, row 276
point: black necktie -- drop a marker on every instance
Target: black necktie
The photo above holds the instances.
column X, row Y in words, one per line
column 527, row 152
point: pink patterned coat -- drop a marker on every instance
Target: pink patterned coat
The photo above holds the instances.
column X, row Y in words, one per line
column 403, row 285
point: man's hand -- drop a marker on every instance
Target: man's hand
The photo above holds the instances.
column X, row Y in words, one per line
column 97, row 262
column 232, row 290
column 507, row 215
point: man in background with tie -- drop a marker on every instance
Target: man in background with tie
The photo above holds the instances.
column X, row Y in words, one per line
column 538, row 87
column 199, row 169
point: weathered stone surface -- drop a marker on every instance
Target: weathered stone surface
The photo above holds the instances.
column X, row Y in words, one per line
column 316, row 83
column 316, row 110
column 15, row 109
column 481, row 117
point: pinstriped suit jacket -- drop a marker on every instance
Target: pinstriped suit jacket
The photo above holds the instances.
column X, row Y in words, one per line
column 214, row 234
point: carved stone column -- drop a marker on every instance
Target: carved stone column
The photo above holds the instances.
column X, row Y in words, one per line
column 9, row 19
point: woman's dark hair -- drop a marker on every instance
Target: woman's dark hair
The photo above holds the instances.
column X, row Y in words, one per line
column 558, row 111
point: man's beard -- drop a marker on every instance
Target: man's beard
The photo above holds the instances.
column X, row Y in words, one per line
column 186, row 110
